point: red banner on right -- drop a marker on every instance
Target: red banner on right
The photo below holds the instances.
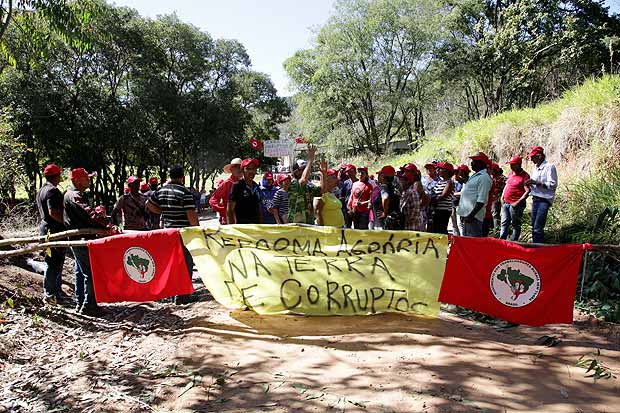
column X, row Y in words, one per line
column 532, row 286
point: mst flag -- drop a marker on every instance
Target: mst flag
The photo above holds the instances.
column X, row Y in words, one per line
column 533, row 286
column 143, row 266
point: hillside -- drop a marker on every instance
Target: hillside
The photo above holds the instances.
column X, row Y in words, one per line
column 580, row 132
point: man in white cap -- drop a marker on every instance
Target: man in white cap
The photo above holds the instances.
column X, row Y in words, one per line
column 219, row 199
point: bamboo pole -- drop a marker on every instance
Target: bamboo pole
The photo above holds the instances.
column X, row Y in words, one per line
column 45, row 245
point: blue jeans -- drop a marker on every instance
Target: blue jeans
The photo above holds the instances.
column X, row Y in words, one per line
column 512, row 215
column 83, row 278
column 52, row 278
column 540, row 208
column 472, row 229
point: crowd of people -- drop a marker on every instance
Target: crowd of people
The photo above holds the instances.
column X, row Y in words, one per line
column 469, row 199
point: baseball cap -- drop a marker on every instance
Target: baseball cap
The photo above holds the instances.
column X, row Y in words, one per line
column 536, row 150
column 463, row 167
column 350, row 167
column 51, row 170
column 515, row 160
column 332, row 172
column 144, row 186
column 446, row 165
column 387, row 170
column 126, row 190
column 481, row 156
column 153, row 180
column 342, row 165
column 235, row 161
column 268, row 175
column 362, row 168
column 132, row 179
column 282, row 178
column 430, row 165
column 249, row 161
column 410, row 167
column 81, row 173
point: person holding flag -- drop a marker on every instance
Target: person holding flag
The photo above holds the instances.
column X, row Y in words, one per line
column 78, row 214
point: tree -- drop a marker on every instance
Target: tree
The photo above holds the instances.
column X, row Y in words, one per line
column 362, row 74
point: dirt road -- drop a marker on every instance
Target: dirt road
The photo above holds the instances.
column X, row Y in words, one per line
column 201, row 357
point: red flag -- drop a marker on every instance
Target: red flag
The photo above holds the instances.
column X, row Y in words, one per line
column 532, row 286
column 256, row 144
column 144, row 266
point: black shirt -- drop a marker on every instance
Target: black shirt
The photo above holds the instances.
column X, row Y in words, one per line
column 389, row 191
column 49, row 197
column 247, row 202
column 78, row 213
column 174, row 200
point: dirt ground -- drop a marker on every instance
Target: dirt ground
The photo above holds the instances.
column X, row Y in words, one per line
column 203, row 357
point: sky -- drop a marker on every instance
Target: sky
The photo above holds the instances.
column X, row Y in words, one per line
column 270, row 30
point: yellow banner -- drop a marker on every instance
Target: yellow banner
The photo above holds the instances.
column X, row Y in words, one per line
column 280, row 269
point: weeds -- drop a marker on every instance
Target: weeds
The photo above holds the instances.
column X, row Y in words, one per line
column 595, row 368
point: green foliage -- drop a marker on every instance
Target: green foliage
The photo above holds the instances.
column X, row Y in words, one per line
column 595, row 368
column 146, row 95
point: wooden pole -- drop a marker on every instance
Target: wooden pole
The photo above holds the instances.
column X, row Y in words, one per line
column 52, row 237
column 45, row 245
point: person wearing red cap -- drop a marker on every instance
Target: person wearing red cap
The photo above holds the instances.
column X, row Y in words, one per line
column 50, row 205
column 328, row 208
column 543, row 184
column 474, row 196
column 219, row 199
column 244, row 200
column 130, row 208
column 152, row 220
column 267, row 192
column 412, row 200
column 386, row 206
column 359, row 200
column 499, row 182
column 78, row 214
column 441, row 203
column 345, row 193
column 279, row 209
column 514, row 198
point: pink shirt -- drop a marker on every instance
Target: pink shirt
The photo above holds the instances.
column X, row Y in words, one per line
column 515, row 186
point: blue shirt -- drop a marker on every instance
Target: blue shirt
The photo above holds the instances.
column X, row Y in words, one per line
column 475, row 190
column 266, row 203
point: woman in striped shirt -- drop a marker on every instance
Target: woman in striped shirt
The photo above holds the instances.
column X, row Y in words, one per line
column 279, row 209
column 442, row 201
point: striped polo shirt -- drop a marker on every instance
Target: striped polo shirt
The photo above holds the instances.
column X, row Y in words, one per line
column 174, row 200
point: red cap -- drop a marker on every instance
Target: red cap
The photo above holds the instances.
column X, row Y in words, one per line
column 430, row 165
column 410, row 168
column 51, row 170
column 495, row 167
column 81, row 173
column 481, row 156
column 144, row 186
column 463, row 167
column 249, row 161
column 446, row 165
column 350, row 167
column 332, row 172
column 536, row 150
column 100, row 210
column 132, row 179
column 342, row 165
column 126, row 190
column 362, row 168
column 268, row 175
column 515, row 160
column 387, row 170
column 282, row 177
column 153, row 180
column 407, row 175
